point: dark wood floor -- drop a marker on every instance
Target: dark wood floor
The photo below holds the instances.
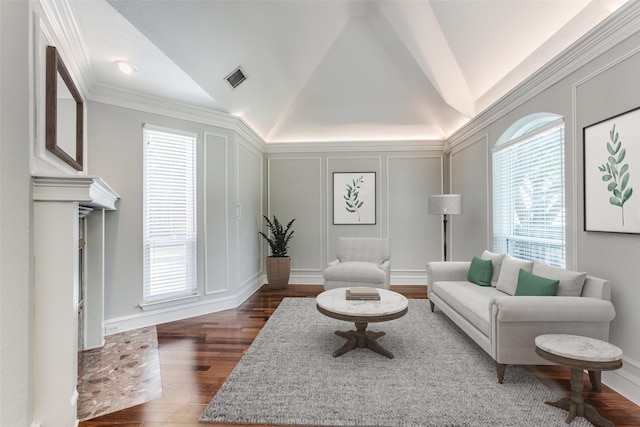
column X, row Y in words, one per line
column 197, row 355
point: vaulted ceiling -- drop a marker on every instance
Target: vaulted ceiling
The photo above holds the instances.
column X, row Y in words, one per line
column 338, row 70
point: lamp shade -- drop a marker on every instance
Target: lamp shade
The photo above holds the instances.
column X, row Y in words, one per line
column 445, row 204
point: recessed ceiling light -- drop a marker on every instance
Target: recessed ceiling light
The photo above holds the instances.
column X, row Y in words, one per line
column 126, row 67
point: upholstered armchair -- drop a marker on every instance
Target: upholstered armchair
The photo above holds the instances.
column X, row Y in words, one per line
column 360, row 261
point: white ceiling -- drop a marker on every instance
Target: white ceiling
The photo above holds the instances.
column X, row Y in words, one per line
column 338, row 70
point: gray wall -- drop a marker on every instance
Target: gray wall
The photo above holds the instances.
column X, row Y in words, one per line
column 604, row 87
column 230, row 185
column 300, row 185
column 16, row 289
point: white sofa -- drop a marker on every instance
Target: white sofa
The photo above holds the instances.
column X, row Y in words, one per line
column 504, row 325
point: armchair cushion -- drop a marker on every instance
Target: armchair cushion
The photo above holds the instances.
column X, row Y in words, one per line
column 355, row 271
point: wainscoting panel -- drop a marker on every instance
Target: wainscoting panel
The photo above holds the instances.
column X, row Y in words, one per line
column 249, row 212
column 416, row 236
column 295, row 189
column 216, row 220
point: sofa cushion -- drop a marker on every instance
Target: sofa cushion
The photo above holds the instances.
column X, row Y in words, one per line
column 532, row 285
column 480, row 271
column 355, row 271
column 496, row 261
column 571, row 282
column 469, row 300
column 508, row 280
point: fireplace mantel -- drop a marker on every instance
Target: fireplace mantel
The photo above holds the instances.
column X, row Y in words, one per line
column 87, row 190
column 58, row 204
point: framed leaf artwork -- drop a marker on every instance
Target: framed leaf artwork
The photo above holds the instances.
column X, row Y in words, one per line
column 354, row 198
column 612, row 174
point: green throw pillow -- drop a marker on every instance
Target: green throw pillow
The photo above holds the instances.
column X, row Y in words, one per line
column 480, row 271
column 532, row 285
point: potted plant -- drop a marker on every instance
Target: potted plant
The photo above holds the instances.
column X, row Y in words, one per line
column 278, row 264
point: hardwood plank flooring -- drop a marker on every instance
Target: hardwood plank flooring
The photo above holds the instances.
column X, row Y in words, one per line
column 197, row 355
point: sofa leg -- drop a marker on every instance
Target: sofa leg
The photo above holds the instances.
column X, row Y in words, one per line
column 433, row 306
column 500, row 371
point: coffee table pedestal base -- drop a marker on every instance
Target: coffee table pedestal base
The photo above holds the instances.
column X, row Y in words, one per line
column 361, row 338
column 576, row 405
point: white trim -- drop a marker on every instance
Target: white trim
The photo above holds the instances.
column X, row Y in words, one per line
column 351, row 146
column 626, row 380
column 87, row 190
column 226, row 213
column 320, row 193
column 173, row 313
column 619, row 26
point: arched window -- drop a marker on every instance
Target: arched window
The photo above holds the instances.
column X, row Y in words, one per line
column 528, row 190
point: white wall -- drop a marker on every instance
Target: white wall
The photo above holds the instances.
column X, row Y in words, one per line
column 603, row 86
column 229, row 212
column 16, row 285
column 300, row 185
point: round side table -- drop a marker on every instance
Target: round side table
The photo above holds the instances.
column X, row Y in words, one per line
column 580, row 353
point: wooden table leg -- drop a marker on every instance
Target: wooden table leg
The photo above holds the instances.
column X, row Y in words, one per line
column 576, row 404
column 361, row 338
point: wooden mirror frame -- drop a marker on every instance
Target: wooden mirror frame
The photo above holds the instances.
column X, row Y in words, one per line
column 56, row 67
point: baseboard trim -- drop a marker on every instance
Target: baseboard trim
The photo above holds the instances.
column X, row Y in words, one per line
column 625, row 380
column 183, row 311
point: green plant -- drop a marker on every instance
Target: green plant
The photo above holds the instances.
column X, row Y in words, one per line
column 616, row 173
column 280, row 236
column 353, row 205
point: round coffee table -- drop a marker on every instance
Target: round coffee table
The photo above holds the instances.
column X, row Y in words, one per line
column 333, row 303
column 580, row 353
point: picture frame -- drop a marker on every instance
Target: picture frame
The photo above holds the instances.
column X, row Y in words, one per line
column 611, row 170
column 64, row 127
column 354, row 198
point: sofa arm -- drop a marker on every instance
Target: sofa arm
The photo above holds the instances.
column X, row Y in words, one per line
column 550, row 309
column 385, row 265
column 447, row 271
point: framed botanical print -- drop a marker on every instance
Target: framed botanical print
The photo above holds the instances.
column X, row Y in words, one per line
column 354, row 198
column 612, row 174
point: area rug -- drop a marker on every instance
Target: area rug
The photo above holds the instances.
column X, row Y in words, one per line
column 125, row 372
column 439, row 377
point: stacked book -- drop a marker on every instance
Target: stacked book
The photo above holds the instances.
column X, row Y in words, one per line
column 363, row 294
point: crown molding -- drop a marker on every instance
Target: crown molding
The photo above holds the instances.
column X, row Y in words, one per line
column 351, row 146
column 619, row 26
column 134, row 100
column 71, row 46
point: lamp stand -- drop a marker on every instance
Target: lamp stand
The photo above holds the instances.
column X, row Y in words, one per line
column 444, row 223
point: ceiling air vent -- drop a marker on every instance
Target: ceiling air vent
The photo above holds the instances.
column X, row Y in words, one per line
column 236, row 77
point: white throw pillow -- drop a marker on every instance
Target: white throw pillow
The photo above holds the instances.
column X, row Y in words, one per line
column 571, row 282
column 496, row 261
column 508, row 279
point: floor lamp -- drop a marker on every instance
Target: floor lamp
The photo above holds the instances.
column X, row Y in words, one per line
column 445, row 204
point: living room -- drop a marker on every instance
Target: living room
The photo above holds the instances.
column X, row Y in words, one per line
column 243, row 178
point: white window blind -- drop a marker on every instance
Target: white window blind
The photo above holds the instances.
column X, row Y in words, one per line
column 529, row 196
column 170, row 239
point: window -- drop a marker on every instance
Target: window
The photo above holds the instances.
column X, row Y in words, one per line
column 528, row 190
column 170, row 239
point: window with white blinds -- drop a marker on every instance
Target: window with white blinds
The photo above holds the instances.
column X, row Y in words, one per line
column 170, row 239
column 529, row 194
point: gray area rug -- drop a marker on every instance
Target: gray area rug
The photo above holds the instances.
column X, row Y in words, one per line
column 438, row 377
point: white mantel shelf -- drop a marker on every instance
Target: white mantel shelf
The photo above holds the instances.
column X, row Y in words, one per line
column 87, row 190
